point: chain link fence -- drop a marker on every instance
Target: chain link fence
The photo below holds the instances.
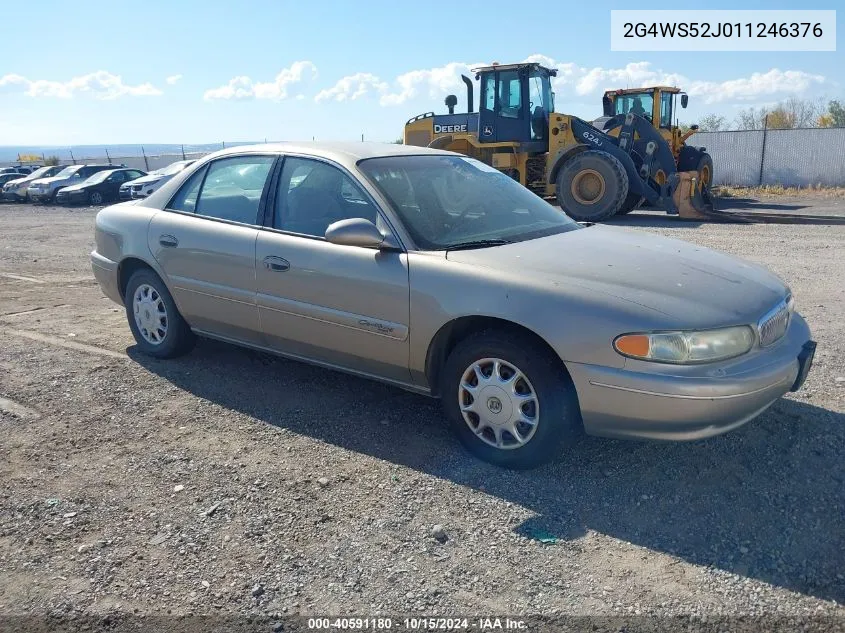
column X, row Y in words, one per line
column 792, row 158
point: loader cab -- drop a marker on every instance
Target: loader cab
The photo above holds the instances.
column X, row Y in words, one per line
column 515, row 103
column 656, row 104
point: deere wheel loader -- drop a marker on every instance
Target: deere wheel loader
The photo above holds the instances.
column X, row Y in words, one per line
column 592, row 174
column 658, row 105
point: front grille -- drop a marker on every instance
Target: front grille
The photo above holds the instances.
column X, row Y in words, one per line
column 774, row 323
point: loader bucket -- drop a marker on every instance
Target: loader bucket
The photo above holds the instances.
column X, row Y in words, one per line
column 692, row 201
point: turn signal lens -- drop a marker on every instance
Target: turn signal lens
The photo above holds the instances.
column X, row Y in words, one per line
column 633, row 345
column 687, row 347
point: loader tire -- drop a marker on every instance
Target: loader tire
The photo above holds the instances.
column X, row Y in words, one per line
column 632, row 201
column 705, row 171
column 591, row 186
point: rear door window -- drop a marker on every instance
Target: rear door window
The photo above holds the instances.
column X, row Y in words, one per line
column 228, row 189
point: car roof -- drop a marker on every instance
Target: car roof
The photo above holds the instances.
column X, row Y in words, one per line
column 342, row 152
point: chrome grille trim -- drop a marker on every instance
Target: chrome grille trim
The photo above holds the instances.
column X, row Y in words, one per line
column 774, row 323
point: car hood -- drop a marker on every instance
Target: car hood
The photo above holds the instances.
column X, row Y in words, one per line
column 147, row 180
column 695, row 286
column 52, row 180
column 18, row 181
column 77, row 187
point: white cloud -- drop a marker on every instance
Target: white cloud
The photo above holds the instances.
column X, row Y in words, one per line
column 773, row 82
column 99, row 84
column 173, row 79
column 591, row 82
column 594, row 81
column 352, row 87
column 433, row 82
column 242, row 87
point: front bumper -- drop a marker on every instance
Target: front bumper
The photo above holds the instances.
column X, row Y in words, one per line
column 661, row 402
column 36, row 195
column 106, row 274
column 74, row 197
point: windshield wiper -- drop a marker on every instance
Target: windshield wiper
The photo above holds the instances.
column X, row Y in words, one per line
column 474, row 244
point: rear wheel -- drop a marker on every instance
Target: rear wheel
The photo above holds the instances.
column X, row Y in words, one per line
column 155, row 321
column 509, row 399
column 591, row 186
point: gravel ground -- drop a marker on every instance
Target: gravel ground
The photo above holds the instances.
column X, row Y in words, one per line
column 229, row 482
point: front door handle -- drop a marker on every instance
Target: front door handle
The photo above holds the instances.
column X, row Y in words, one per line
column 271, row 262
column 168, row 241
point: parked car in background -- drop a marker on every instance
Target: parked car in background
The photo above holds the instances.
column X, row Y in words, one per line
column 432, row 271
column 15, row 190
column 99, row 188
column 143, row 187
column 4, row 178
column 28, row 169
column 12, row 170
column 125, row 192
column 45, row 189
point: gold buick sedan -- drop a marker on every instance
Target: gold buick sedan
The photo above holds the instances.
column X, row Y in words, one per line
column 434, row 272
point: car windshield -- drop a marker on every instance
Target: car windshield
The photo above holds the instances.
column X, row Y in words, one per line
column 42, row 172
column 173, row 169
column 67, row 172
column 448, row 201
column 100, row 176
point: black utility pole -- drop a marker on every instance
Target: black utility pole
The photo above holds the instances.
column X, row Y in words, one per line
column 763, row 150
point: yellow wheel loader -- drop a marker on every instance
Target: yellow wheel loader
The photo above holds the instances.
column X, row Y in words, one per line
column 592, row 174
column 658, row 105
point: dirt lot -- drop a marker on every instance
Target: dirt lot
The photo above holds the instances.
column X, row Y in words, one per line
column 231, row 482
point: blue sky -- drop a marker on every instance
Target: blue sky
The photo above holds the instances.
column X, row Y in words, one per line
column 198, row 72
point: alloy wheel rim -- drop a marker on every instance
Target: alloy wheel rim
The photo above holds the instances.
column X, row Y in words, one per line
column 498, row 403
column 150, row 314
column 96, row 197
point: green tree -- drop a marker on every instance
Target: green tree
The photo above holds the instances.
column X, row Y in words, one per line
column 836, row 112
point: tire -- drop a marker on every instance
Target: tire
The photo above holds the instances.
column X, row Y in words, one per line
column 95, row 198
column 54, row 195
column 591, row 173
column 705, row 163
column 632, row 201
column 554, row 405
column 176, row 338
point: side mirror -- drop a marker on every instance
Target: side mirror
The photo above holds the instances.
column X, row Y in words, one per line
column 684, row 100
column 356, row 232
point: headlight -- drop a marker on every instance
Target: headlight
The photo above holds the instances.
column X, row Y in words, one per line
column 684, row 348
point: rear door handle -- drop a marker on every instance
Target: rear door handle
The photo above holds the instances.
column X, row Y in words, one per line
column 168, row 241
column 271, row 262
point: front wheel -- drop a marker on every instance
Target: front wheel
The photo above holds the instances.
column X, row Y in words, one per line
column 591, row 186
column 509, row 399
column 95, row 198
column 155, row 321
column 632, row 201
column 705, row 171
